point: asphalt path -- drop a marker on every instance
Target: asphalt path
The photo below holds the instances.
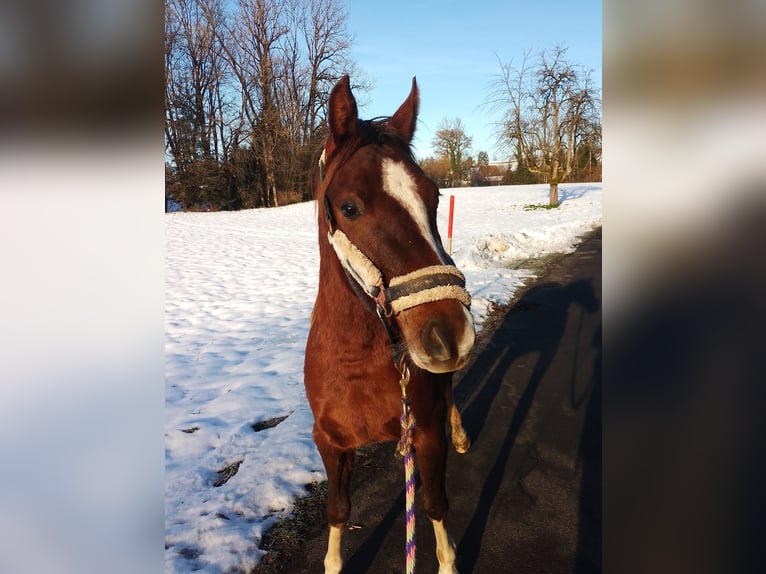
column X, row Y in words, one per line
column 526, row 498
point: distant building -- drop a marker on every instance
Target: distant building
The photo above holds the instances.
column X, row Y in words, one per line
column 492, row 173
column 506, row 164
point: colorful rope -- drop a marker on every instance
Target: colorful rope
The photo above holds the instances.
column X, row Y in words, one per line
column 407, row 421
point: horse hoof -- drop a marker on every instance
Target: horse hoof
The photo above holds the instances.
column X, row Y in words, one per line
column 461, row 444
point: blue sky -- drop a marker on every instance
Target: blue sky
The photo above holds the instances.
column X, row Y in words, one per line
column 453, row 49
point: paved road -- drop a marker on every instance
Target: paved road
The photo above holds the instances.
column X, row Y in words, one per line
column 527, row 497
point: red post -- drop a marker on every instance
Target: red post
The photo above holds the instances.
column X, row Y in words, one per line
column 449, row 226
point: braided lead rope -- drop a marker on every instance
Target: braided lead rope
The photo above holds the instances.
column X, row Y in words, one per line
column 404, row 448
column 408, row 422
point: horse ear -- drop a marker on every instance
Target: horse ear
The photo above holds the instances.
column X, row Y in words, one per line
column 342, row 110
column 405, row 118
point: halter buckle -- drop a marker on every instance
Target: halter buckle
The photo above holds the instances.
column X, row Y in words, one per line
column 383, row 306
column 404, row 380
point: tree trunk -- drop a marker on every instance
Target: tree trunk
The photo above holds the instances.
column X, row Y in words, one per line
column 553, row 196
column 271, row 188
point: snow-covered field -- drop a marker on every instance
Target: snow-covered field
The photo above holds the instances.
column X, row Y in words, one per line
column 239, row 291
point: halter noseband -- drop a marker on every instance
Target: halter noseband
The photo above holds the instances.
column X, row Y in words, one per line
column 425, row 285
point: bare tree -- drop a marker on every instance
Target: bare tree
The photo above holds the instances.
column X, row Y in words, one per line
column 438, row 169
column 548, row 107
column 280, row 75
column 452, row 143
column 319, row 55
column 246, row 87
column 261, row 27
column 194, row 72
column 327, row 46
column 184, row 84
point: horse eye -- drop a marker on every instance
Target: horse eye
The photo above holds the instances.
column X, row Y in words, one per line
column 350, row 210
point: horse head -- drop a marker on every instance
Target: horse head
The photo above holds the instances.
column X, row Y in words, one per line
column 379, row 214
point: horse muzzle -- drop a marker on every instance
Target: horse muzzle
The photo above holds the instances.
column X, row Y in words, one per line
column 439, row 336
column 432, row 309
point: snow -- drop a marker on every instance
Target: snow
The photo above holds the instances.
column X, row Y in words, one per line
column 239, row 292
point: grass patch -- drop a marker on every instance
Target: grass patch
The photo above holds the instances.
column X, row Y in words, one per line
column 539, row 265
column 285, row 538
column 267, row 424
column 226, row 473
column 533, row 206
column 188, row 553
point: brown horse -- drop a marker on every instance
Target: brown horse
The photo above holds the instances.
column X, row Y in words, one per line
column 390, row 301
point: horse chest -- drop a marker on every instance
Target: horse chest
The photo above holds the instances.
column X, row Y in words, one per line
column 368, row 407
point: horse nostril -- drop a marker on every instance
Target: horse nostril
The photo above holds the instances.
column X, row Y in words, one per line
column 437, row 341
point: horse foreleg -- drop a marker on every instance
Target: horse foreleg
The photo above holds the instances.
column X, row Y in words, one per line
column 338, row 465
column 445, row 548
column 333, row 561
column 460, row 439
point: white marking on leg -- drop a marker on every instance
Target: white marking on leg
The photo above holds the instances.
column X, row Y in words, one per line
column 400, row 185
column 445, row 549
column 333, row 562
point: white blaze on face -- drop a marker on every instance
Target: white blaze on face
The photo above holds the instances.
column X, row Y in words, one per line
column 400, row 185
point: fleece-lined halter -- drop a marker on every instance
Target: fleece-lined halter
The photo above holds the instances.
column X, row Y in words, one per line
column 425, row 285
